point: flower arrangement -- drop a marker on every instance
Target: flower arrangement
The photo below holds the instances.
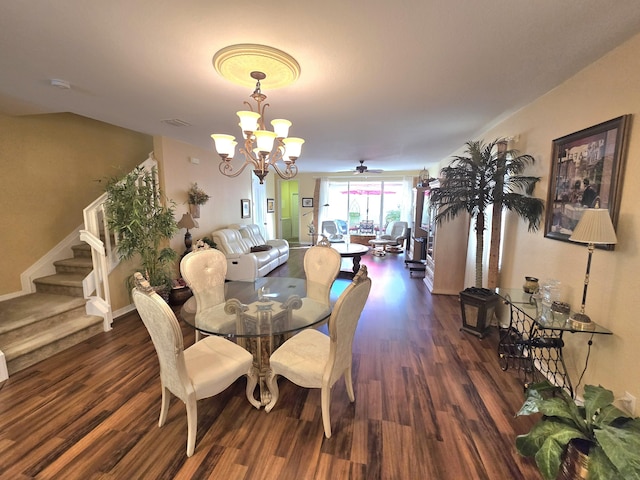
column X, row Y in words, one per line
column 197, row 196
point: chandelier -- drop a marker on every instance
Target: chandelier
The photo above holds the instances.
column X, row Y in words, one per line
column 262, row 148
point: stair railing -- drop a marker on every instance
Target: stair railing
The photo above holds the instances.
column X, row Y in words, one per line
column 104, row 256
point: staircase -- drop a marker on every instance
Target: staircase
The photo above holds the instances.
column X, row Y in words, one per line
column 35, row 326
column 69, row 306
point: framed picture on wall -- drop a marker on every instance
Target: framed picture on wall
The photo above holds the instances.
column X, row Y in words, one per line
column 245, row 208
column 271, row 205
column 586, row 172
column 307, row 202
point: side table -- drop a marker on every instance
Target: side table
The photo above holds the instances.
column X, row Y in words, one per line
column 532, row 344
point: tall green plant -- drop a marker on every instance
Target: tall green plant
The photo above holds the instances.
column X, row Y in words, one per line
column 612, row 435
column 143, row 223
column 488, row 175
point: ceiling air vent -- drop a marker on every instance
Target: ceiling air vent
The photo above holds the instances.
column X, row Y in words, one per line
column 176, row 122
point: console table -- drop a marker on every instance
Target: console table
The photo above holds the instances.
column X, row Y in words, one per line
column 532, row 342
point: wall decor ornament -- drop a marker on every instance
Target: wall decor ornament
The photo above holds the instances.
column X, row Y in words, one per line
column 587, row 168
column 307, row 202
column 196, row 197
column 271, row 205
column 245, row 208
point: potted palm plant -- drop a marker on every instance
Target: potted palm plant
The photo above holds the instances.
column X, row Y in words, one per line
column 143, row 224
column 596, row 438
column 488, row 175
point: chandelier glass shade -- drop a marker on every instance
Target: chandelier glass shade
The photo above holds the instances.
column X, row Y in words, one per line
column 262, row 148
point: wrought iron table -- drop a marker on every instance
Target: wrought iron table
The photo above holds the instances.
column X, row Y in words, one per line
column 532, row 343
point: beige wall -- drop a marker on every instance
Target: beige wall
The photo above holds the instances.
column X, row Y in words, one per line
column 607, row 89
column 52, row 166
column 179, row 172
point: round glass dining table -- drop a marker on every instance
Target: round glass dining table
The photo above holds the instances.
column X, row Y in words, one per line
column 259, row 316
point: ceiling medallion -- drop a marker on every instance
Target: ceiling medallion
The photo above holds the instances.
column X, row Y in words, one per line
column 236, row 62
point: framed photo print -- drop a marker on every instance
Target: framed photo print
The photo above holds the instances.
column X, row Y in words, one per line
column 307, row 202
column 271, row 205
column 586, row 172
column 245, row 208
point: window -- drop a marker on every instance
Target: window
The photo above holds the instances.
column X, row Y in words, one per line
column 367, row 206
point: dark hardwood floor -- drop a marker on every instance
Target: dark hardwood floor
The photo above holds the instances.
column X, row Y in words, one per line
column 431, row 403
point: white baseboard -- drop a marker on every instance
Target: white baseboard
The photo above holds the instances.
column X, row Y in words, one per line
column 44, row 266
column 4, row 373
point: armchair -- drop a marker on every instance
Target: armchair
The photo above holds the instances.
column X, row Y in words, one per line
column 331, row 231
column 394, row 236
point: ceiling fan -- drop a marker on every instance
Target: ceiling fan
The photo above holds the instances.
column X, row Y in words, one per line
column 362, row 168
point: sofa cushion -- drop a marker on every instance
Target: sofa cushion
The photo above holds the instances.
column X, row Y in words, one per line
column 230, row 242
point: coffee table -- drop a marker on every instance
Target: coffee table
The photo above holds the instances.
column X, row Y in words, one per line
column 351, row 250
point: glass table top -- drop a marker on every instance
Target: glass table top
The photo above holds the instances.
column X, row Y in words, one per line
column 531, row 305
column 272, row 304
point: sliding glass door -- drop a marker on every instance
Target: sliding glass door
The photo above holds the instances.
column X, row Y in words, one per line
column 366, row 206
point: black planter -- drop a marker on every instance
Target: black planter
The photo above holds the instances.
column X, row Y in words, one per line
column 478, row 306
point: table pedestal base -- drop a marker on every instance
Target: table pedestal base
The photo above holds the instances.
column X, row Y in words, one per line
column 255, row 324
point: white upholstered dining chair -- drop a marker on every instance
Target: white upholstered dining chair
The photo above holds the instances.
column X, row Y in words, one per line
column 203, row 370
column 321, row 267
column 204, row 272
column 312, row 359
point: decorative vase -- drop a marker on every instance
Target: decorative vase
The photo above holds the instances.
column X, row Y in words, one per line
column 575, row 464
column 194, row 210
column 531, row 285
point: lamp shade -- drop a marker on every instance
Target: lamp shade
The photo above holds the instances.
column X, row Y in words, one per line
column 293, row 147
column 225, row 144
column 248, row 120
column 281, row 127
column 187, row 222
column 595, row 227
column 264, row 140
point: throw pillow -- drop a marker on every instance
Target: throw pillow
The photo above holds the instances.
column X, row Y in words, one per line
column 261, row 248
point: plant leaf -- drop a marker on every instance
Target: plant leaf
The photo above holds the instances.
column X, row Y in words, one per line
column 549, row 458
column 564, row 407
column 595, row 398
column 529, row 444
column 622, row 448
column 600, row 468
column 609, row 415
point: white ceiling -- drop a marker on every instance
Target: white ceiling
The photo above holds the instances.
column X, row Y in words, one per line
column 400, row 83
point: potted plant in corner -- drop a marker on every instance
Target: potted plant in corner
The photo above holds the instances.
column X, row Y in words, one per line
column 197, row 197
column 489, row 174
column 143, row 224
column 594, row 441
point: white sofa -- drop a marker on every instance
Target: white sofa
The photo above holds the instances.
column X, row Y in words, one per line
column 237, row 242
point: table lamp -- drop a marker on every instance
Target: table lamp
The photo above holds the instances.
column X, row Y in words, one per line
column 594, row 228
column 187, row 222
